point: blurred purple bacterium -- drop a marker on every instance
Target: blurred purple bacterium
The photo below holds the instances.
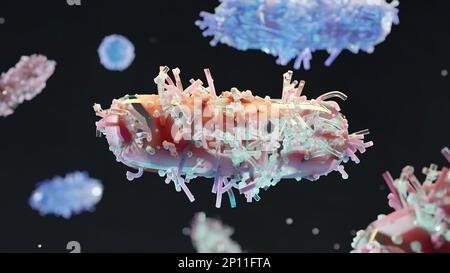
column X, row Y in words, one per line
column 293, row 29
column 67, row 196
column 24, row 81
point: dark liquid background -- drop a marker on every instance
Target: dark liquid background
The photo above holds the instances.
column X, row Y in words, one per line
column 397, row 92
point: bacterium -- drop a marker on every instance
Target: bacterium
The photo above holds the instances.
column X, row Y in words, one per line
column 420, row 222
column 209, row 235
column 67, row 196
column 24, row 81
column 241, row 141
column 116, row 52
column 294, row 29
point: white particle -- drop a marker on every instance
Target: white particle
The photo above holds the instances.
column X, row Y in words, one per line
column 289, row 221
column 336, row 246
column 315, row 231
column 2, row 20
column 444, row 72
column 39, row 245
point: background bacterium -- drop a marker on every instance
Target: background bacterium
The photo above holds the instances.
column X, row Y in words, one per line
column 116, row 52
column 67, row 196
column 24, row 81
column 290, row 29
column 209, row 235
column 420, row 222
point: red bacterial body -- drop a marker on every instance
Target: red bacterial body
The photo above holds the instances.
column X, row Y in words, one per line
column 242, row 141
column 420, row 222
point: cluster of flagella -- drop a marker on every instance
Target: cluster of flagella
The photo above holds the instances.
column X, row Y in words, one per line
column 67, row 196
column 420, row 222
column 293, row 29
column 210, row 235
column 311, row 136
column 24, row 81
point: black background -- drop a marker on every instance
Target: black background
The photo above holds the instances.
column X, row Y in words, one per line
column 397, row 92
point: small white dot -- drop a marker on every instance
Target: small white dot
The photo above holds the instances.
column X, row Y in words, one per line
column 315, row 231
column 353, row 232
column 39, row 245
column 336, row 246
column 444, row 72
column 289, row 221
column 2, row 20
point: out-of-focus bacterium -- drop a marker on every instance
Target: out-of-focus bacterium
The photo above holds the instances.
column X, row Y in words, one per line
column 116, row 52
column 294, row 29
column 67, row 196
column 209, row 235
column 244, row 142
column 24, row 81
column 421, row 220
